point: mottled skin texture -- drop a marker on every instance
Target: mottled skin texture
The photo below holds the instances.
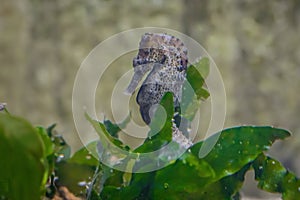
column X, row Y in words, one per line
column 165, row 57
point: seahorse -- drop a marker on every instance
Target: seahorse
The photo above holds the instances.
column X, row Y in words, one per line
column 165, row 56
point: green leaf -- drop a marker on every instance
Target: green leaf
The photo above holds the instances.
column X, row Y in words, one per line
column 105, row 138
column 77, row 172
column 219, row 175
column 84, row 156
column 49, row 146
column 113, row 129
column 193, row 90
column 273, row 177
column 22, row 154
column 74, row 176
column 196, row 81
column 62, row 151
column 202, row 66
column 161, row 126
column 235, row 147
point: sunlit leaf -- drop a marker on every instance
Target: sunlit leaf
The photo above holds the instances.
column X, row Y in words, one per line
column 22, row 154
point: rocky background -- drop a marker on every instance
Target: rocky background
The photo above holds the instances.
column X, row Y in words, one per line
column 255, row 44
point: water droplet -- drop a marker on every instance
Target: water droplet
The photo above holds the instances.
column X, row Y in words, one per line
column 166, row 185
column 111, row 170
column 218, row 144
column 273, row 162
column 225, row 188
column 241, row 142
column 233, row 142
column 239, row 152
column 82, row 183
column 88, row 157
column 298, row 189
column 60, row 157
column 189, row 150
column 260, row 167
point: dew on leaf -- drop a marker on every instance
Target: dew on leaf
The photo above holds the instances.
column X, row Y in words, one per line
column 60, row 157
column 82, row 183
column 166, row 185
column 273, row 162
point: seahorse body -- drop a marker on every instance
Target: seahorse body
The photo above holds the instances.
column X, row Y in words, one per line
column 165, row 56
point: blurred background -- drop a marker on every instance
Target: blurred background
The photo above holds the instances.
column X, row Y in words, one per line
column 255, row 44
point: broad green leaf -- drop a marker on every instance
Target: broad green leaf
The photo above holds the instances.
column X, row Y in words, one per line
column 273, row 177
column 76, row 173
column 75, row 177
column 219, row 175
column 22, row 156
column 235, row 147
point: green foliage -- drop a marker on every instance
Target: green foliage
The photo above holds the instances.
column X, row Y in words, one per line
column 36, row 161
column 160, row 128
column 219, row 175
column 23, row 159
column 76, row 172
column 273, row 177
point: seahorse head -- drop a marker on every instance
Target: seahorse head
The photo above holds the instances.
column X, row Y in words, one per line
column 157, row 49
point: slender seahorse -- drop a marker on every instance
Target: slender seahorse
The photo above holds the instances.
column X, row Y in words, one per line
column 165, row 56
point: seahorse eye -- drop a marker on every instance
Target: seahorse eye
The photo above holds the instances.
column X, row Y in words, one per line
column 146, row 52
column 180, row 68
